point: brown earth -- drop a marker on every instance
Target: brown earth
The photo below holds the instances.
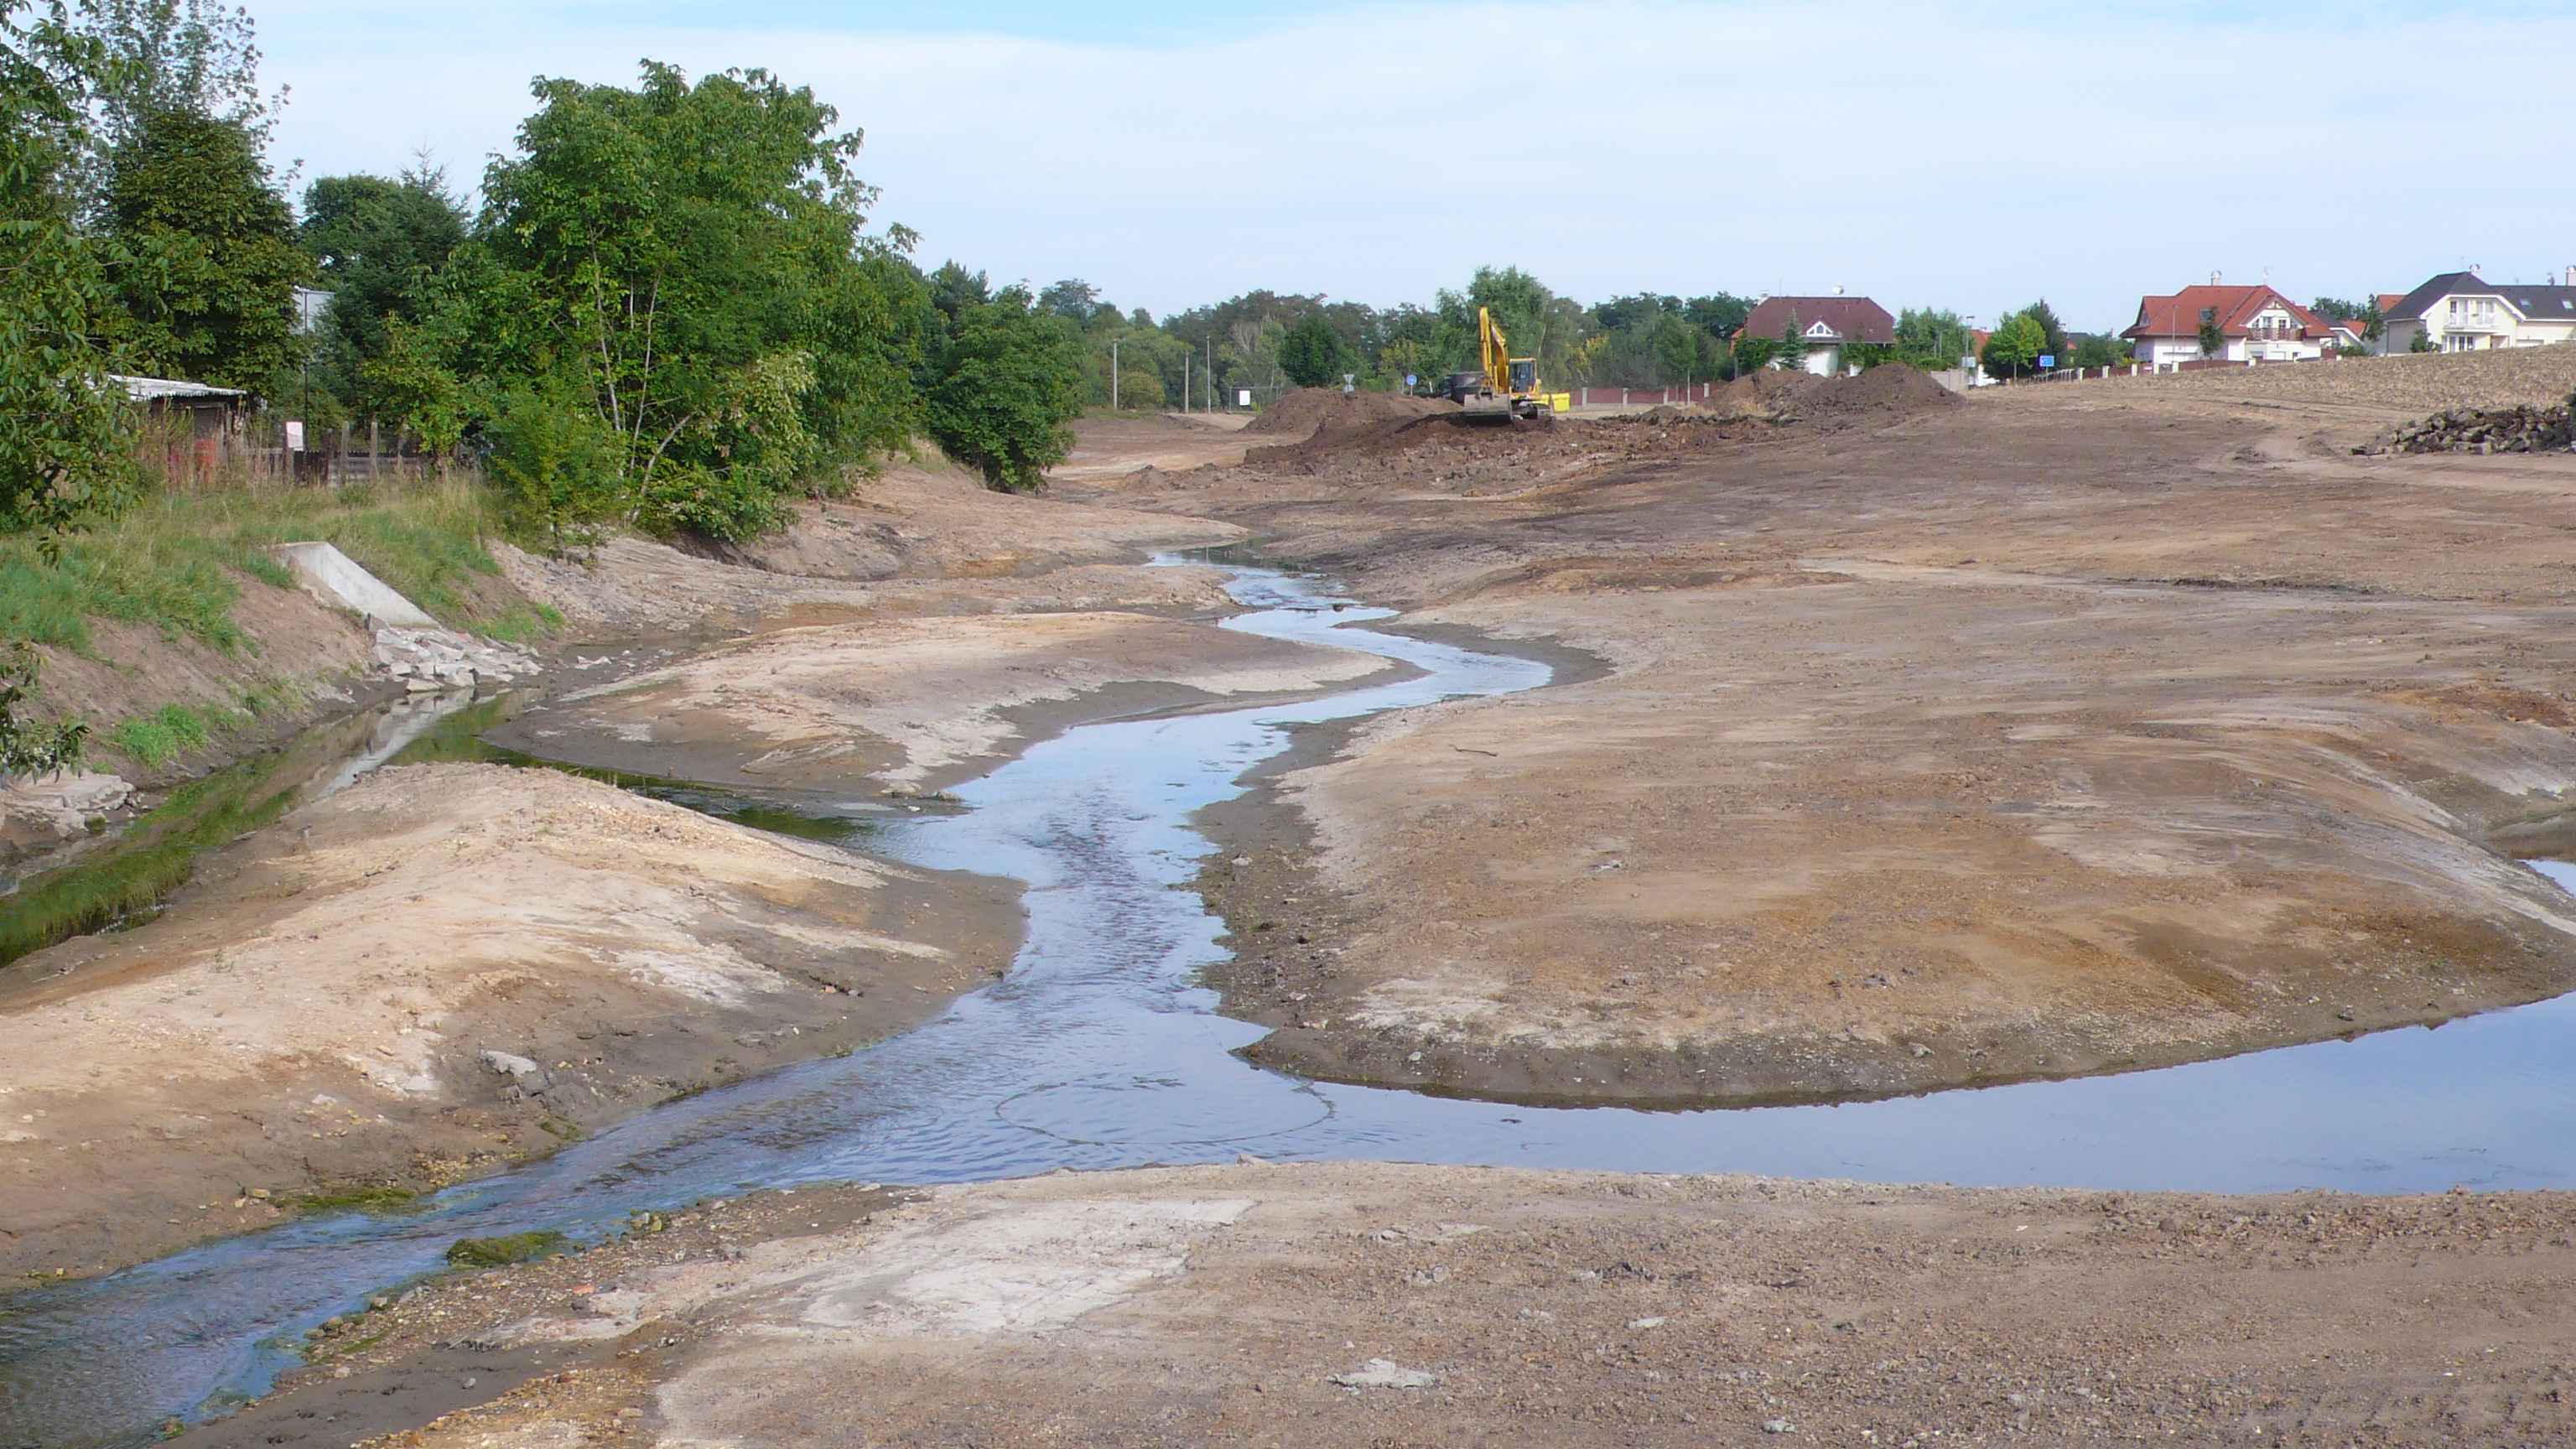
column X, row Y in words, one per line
column 2056, row 729
column 1384, row 1305
column 313, row 1013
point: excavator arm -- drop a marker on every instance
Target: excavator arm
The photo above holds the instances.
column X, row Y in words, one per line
column 1497, row 357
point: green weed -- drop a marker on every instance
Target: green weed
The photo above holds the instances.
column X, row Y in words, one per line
column 502, row 1251
column 175, row 562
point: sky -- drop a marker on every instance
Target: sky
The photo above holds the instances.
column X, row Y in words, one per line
column 1972, row 156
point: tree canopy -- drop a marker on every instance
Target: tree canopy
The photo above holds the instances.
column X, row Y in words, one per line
column 207, row 261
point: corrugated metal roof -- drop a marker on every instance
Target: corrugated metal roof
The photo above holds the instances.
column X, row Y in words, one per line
column 146, row 389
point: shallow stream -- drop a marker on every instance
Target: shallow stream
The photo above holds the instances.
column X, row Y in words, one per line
column 1099, row 1051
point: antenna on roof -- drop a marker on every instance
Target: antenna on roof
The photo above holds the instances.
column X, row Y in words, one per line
column 2213, row 279
column 1838, row 291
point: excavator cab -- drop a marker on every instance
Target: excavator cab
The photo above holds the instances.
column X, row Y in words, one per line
column 1524, row 375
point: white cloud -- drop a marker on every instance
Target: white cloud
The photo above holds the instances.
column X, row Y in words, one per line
column 1967, row 155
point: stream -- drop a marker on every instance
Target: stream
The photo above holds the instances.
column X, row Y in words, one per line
column 1098, row 1050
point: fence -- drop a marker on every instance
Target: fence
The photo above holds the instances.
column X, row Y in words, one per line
column 256, row 448
column 1631, row 397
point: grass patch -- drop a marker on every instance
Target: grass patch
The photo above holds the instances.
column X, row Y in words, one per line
column 156, row 855
column 163, row 736
column 362, row 1199
column 501, row 1252
column 174, row 562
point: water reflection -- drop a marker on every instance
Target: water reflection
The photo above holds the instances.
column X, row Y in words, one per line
column 1098, row 1050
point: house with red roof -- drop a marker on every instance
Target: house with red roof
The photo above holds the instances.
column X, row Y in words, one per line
column 2255, row 324
column 1825, row 325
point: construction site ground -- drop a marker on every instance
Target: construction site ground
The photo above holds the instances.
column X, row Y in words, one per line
column 1935, row 740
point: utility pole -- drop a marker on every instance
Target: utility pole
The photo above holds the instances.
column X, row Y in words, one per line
column 1185, row 384
column 1113, row 374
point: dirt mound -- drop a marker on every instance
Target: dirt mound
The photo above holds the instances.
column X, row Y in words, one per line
column 1310, row 410
column 1893, row 388
column 1785, row 395
column 1764, row 394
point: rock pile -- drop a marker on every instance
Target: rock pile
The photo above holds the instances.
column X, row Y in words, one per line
column 2473, row 430
column 40, row 810
column 433, row 659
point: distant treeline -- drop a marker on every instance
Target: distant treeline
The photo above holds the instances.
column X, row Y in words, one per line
column 1266, row 342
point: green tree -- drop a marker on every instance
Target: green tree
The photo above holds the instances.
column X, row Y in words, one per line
column 65, row 446
column 208, row 262
column 376, row 242
column 2052, row 333
column 1933, row 339
column 1009, row 383
column 1073, row 299
column 2213, row 339
column 686, row 264
column 1684, row 352
column 2014, row 348
column 2100, row 350
column 1313, row 354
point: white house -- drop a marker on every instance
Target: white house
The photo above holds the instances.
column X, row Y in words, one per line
column 1825, row 325
column 2462, row 312
column 2254, row 324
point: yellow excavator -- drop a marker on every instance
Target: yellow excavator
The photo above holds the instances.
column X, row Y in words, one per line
column 1506, row 389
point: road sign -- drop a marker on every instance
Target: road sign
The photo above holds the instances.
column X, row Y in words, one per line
column 2047, row 360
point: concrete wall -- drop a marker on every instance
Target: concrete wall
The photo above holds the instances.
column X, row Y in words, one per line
column 335, row 578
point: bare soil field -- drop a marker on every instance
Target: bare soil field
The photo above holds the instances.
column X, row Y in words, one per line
column 2052, row 730
column 1372, row 1304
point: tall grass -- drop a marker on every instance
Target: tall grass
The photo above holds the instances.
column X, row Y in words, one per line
column 175, row 561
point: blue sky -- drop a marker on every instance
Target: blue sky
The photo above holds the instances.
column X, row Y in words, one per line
column 1967, row 155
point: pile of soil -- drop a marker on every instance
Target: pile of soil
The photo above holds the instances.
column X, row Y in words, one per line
column 1311, row 410
column 1360, row 423
column 1785, row 396
column 1894, row 388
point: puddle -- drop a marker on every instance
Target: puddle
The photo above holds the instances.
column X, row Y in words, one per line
column 1098, row 1051
column 121, row 880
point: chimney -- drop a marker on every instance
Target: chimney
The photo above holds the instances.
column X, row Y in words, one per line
column 2213, row 279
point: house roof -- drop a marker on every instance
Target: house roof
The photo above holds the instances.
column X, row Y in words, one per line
column 2179, row 315
column 2530, row 301
column 1849, row 319
column 146, row 389
column 2388, row 302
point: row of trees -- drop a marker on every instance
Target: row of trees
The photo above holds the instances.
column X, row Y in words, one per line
column 1267, row 342
column 669, row 312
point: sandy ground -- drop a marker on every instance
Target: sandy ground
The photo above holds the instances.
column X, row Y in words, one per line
column 923, row 539
column 915, row 704
column 320, row 1009
column 1370, row 1304
column 2062, row 729
column 1115, row 448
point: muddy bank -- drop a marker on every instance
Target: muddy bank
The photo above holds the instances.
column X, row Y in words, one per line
column 435, row 972
column 917, row 704
column 1363, row 1303
column 2070, row 731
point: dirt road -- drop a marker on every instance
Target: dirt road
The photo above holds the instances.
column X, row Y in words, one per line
column 1369, row 1304
column 2052, row 730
